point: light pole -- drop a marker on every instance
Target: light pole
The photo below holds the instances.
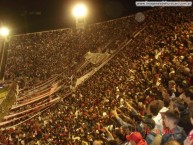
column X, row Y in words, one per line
column 4, row 32
column 80, row 12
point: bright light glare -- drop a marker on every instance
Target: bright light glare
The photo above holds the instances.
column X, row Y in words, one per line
column 4, row 31
column 80, row 10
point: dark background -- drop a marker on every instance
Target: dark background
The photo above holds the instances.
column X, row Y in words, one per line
column 24, row 16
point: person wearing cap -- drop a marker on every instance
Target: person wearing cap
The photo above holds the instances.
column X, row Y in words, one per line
column 135, row 138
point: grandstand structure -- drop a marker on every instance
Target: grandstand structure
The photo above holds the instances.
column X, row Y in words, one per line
column 105, row 64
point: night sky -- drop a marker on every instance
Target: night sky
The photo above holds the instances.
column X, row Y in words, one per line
column 24, row 16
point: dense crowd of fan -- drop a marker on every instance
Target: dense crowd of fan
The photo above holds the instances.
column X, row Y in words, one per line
column 142, row 96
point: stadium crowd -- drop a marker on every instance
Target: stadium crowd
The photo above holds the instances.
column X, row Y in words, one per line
column 142, row 96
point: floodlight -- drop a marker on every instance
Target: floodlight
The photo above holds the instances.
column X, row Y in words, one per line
column 80, row 10
column 4, row 31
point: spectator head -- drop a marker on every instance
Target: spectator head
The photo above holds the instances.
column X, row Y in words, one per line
column 188, row 95
column 155, row 106
column 166, row 101
column 149, row 123
column 171, row 119
column 190, row 58
column 190, row 109
column 172, row 73
column 179, row 105
column 112, row 142
column 181, row 87
column 97, row 142
column 172, row 84
column 172, row 142
column 84, row 143
column 186, row 70
column 126, row 129
column 120, row 135
column 134, row 138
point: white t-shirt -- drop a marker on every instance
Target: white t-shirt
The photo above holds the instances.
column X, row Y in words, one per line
column 158, row 120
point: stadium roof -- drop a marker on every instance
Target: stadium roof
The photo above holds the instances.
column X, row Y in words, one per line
column 23, row 16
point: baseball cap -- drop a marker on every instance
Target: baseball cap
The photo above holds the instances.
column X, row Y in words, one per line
column 134, row 136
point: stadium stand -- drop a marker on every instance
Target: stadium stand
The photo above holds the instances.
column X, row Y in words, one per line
column 121, row 99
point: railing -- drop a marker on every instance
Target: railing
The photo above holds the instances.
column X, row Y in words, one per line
column 41, row 85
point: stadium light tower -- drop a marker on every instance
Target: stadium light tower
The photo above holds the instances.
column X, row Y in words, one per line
column 80, row 12
column 4, row 33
